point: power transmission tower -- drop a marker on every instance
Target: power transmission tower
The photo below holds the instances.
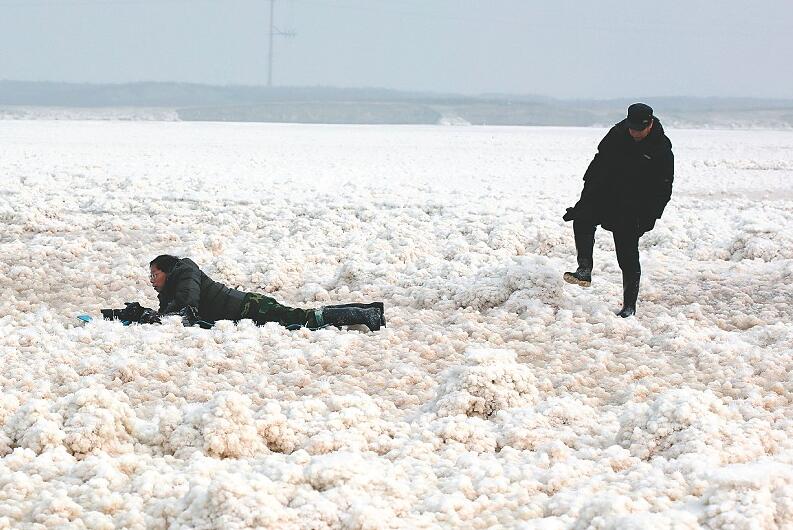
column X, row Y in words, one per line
column 274, row 31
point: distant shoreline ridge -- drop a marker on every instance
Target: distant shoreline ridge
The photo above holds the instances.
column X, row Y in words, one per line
column 194, row 102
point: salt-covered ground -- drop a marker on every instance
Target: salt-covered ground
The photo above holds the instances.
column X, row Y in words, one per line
column 498, row 396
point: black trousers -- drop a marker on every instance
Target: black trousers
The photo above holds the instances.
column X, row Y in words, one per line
column 626, row 243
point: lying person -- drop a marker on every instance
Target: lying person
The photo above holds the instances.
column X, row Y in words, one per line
column 183, row 286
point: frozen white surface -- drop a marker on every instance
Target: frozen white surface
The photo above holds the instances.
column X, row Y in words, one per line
column 498, row 395
column 21, row 112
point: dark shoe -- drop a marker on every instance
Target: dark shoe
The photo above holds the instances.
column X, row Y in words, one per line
column 626, row 312
column 582, row 276
column 378, row 305
column 349, row 316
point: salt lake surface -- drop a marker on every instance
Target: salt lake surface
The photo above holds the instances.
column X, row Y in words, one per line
column 498, row 396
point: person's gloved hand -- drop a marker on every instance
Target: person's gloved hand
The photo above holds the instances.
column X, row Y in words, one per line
column 569, row 215
column 149, row 316
column 189, row 316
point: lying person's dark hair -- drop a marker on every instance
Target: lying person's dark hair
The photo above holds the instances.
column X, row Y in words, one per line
column 165, row 262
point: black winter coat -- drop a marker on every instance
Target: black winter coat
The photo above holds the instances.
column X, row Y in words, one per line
column 187, row 285
column 628, row 183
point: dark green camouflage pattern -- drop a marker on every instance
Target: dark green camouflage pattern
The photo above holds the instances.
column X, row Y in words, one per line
column 262, row 309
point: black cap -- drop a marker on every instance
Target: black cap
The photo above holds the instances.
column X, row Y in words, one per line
column 639, row 116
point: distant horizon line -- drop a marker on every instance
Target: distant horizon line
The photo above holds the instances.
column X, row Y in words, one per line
column 433, row 93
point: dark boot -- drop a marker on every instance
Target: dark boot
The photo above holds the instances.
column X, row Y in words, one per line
column 630, row 293
column 378, row 305
column 584, row 233
column 348, row 316
column 582, row 276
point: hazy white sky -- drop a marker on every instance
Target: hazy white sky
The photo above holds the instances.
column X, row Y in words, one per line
column 566, row 49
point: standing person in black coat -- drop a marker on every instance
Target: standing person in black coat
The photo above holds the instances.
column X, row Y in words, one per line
column 181, row 284
column 626, row 188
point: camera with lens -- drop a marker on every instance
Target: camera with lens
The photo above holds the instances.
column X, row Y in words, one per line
column 133, row 312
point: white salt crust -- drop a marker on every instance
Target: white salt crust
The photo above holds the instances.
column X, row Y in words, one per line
column 498, row 395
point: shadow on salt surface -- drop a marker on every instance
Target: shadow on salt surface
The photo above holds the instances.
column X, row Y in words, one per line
column 740, row 194
column 695, row 424
column 488, row 381
column 522, row 284
column 731, row 296
column 534, row 278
